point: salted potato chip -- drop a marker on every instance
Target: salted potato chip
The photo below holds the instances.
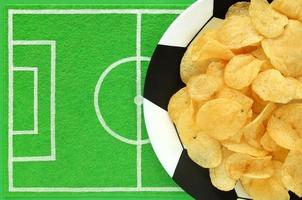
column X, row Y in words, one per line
column 232, row 94
column 299, row 78
column 240, row 9
column 282, row 132
column 292, row 171
column 257, row 108
column 254, row 131
column 190, row 64
column 203, row 50
column 240, row 114
column 238, row 32
column 266, row 20
column 268, row 143
column 268, row 188
column 207, row 47
column 280, row 154
column 252, row 134
column 178, row 103
column 278, row 171
column 188, row 68
column 186, row 126
column 259, row 54
column 259, row 104
column 285, row 52
column 291, row 8
column 212, row 26
column 203, row 87
column 244, row 148
column 242, row 165
column 216, row 69
column 257, row 99
column 238, row 136
column 241, row 71
column 221, row 118
column 219, row 176
column 271, row 85
column 291, row 114
column 205, row 151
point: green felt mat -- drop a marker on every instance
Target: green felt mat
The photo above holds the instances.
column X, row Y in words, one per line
column 71, row 122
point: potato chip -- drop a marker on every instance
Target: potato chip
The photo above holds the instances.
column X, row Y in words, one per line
column 259, row 54
column 219, row 176
column 241, row 71
column 186, row 126
column 237, row 138
column 292, row 171
column 244, row 148
column 232, row 94
column 252, row 134
column 203, row 87
column 270, row 85
column 242, row 165
column 207, row 47
column 254, row 131
column 205, row 151
column 268, row 143
column 240, row 8
column 282, row 132
column 238, row 32
column 278, row 171
column 259, row 104
column 245, row 50
column 240, row 114
column 188, row 68
column 196, row 105
column 217, row 69
column 291, row 114
column 203, row 50
column 266, row 20
column 178, row 103
column 291, row 8
column 285, row 52
column 280, row 154
column 214, row 24
column 221, row 118
column 257, row 99
column 268, row 188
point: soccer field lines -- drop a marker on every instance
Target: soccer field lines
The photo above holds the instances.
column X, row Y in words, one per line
column 138, row 99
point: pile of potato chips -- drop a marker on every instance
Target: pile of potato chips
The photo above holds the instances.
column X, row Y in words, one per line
column 239, row 114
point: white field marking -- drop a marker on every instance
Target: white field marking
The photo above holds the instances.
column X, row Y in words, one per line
column 34, row 42
column 138, row 99
column 10, row 100
column 52, row 155
column 97, row 189
column 35, row 131
column 96, row 100
column 52, row 45
column 95, row 11
column 138, row 106
column 34, row 159
column 53, row 99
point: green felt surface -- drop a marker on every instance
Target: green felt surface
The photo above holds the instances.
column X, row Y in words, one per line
column 87, row 156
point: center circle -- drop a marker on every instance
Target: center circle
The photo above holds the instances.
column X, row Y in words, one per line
column 138, row 99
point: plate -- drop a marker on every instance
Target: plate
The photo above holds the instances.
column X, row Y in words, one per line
column 162, row 81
